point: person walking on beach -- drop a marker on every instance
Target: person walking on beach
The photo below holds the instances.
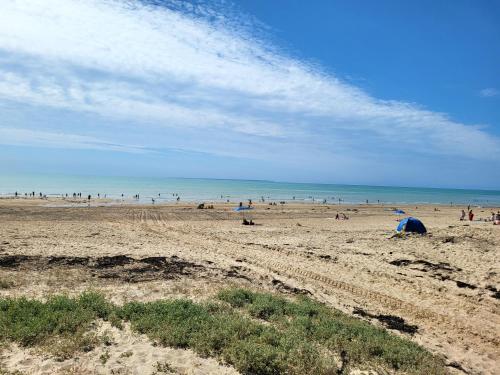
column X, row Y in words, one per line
column 471, row 215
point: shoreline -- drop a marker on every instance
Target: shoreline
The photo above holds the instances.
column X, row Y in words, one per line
column 51, row 201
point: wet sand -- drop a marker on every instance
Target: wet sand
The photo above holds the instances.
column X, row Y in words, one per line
column 441, row 290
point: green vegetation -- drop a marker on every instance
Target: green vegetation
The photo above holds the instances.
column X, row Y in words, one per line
column 217, row 330
column 163, row 368
column 257, row 333
column 31, row 322
column 104, row 357
column 360, row 344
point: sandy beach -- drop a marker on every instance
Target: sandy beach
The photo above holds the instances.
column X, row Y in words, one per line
column 445, row 285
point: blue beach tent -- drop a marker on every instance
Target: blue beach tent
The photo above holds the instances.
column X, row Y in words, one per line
column 410, row 224
column 399, row 212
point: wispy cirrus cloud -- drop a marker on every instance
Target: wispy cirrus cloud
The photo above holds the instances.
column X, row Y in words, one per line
column 27, row 137
column 198, row 72
column 489, row 92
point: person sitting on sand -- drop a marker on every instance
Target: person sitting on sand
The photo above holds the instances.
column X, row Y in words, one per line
column 471, row 215
column 497, row 219
column 462, row 217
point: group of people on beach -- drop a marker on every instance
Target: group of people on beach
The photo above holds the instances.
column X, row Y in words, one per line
column 464, row 214
column 31, row 195
column 341, row 216
column 495, row 217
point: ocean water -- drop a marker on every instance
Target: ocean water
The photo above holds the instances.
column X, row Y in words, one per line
column 199, row 190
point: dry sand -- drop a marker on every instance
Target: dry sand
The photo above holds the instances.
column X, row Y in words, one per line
column 447, row 283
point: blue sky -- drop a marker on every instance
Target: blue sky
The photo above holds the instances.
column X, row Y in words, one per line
column 361, row 92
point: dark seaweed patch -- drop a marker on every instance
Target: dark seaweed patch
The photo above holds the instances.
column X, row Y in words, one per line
column 108, row 267
column 496, row 293
column 12, row 261
column 426, row 265
column 113, row 261
column 457, row 365
column 389, row 321
column 233, row 272
column 462, row 284
column 449, row 239
column 285, row 288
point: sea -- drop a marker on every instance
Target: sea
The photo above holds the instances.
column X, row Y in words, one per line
column 218, row 190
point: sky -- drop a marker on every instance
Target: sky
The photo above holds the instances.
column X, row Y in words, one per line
column 356, row 92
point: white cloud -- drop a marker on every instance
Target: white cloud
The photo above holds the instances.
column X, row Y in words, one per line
column 489, row 92
column 27, row 137
column 171, row 68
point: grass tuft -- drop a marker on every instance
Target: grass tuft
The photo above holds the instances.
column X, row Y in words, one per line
column 31, row 322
